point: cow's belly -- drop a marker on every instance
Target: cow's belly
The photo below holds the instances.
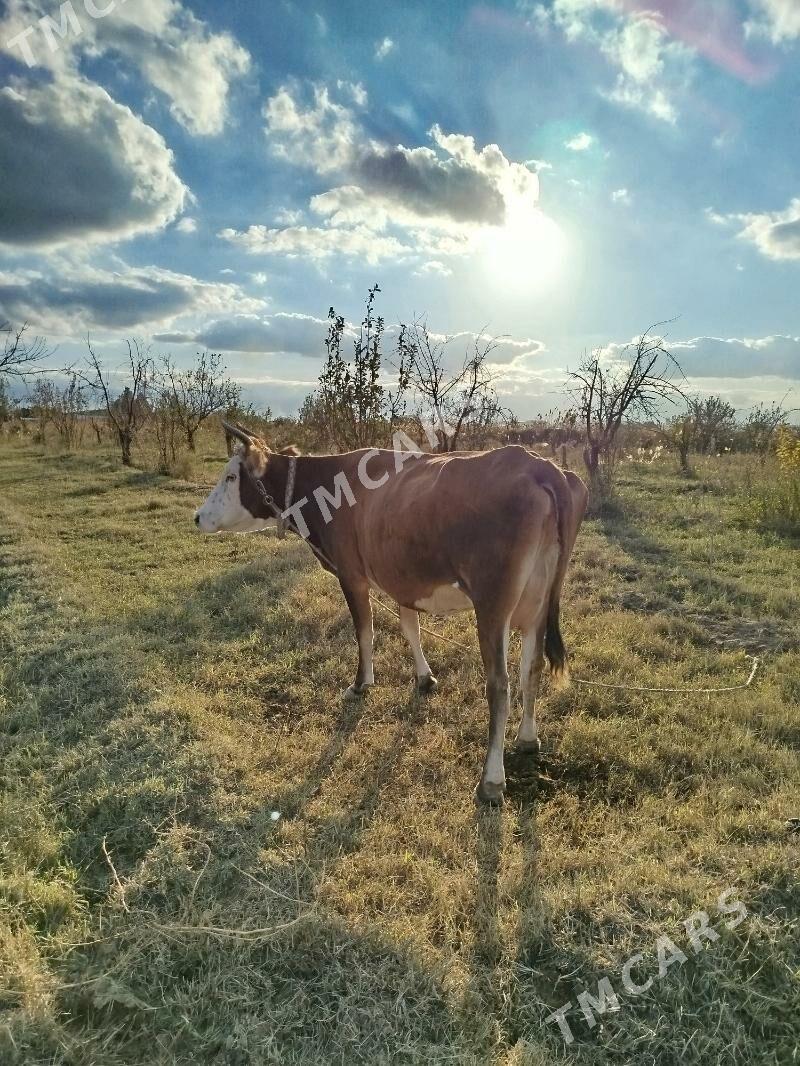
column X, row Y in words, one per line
column 446, row 599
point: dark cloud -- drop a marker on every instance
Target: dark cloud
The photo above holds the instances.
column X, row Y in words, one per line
column 281, row 332
column 74, row 300
column 77, row 166
column 429, row 186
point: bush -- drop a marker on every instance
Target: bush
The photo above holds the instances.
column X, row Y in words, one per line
column 775, row 502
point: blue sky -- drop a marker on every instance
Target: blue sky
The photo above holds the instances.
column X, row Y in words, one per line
column 560, row 173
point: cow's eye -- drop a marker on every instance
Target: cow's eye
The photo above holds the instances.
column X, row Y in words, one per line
column 231, row 477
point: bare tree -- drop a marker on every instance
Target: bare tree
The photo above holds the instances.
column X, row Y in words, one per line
column 192, row 396
column 129, row 411
column 19, row 353
column 456, row 399
column 607, row 395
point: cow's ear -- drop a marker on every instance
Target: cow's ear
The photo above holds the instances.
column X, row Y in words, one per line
column 292, row 450
column 256, row 458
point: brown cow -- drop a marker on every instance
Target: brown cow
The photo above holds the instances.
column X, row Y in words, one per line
column 490, row 532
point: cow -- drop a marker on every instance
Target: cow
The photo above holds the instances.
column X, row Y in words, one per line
column 490, row 532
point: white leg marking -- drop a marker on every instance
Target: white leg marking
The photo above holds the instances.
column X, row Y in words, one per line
column 409, row 624
column 493, row 768
column 530, row 673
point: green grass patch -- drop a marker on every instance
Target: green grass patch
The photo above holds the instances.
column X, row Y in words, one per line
column 163, row 697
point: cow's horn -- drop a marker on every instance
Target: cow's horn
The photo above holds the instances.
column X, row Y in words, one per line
column 237, row 432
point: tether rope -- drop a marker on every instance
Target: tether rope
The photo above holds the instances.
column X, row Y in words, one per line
column 575, row 680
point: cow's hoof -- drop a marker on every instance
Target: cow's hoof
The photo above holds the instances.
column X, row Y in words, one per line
column 357, row 692
column 426, row 685
column 528, row 747
column 489, row 794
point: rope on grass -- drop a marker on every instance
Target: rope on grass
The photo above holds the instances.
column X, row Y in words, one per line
column 600, row 684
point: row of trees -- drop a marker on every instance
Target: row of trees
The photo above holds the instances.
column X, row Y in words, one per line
column 363, row 397
column 156, row 393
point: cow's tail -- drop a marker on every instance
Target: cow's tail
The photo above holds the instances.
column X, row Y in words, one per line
column 552, row 480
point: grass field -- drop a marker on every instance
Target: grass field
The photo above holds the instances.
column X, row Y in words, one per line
column 164, row 697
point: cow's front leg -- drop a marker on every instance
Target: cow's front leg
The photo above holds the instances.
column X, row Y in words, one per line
column 409, row 623
column 357, row 596
column 493, row 636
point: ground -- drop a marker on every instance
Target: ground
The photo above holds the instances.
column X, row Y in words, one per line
column 209, row 856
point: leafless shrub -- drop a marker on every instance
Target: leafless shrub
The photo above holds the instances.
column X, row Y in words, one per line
column 190, row 397
column 605, row 396
column 460, row 403
column 20, row 353
column 130, row 411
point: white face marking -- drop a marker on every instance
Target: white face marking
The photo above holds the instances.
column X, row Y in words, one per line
column 223, row 511
column 447, row 599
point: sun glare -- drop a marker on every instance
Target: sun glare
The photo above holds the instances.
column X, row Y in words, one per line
column 527, row 254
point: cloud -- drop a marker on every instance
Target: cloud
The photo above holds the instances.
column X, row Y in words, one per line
column 621, row 196
column 383, row 48
column 776, row 234
column 282, row 332
column 730, row 357
column 172, row 49
column 186, row 225
column 650, row 65
column 68, row 300
column 433, row 200
column 321, row 135
column 317, row 243
column 77, row 166
column 777, row 19
column 580, row 142
column 433, row 267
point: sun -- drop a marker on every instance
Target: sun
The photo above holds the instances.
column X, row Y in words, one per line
column 527, row 254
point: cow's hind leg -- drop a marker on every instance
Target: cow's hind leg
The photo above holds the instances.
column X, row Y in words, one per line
column 531, row 668
column 409, row 623
column 493, row 635
column 357, row 596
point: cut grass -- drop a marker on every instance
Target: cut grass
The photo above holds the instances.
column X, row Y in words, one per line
column 163, row 696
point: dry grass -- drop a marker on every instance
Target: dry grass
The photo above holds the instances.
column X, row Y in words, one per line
column 162, row 695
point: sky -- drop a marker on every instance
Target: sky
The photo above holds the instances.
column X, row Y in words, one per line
column 559, row 175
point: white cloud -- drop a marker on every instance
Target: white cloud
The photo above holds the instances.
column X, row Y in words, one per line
column 317, row 244
column 650, row 66
column 79, row 167
column 187, row 225
column 433, row 267
column 580, row 142
column 321, row 135
column 383, row 48
column 777, row 19
column 621, row 196
column 776, row 234
column 437, row 200
column 68, row 300
column 173, row 50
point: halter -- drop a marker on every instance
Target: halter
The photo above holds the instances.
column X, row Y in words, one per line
column 278, row 514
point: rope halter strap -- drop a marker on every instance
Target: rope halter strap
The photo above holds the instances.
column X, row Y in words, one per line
column 278, row 514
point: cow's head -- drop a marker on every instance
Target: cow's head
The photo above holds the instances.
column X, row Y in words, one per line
column 235, row 505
